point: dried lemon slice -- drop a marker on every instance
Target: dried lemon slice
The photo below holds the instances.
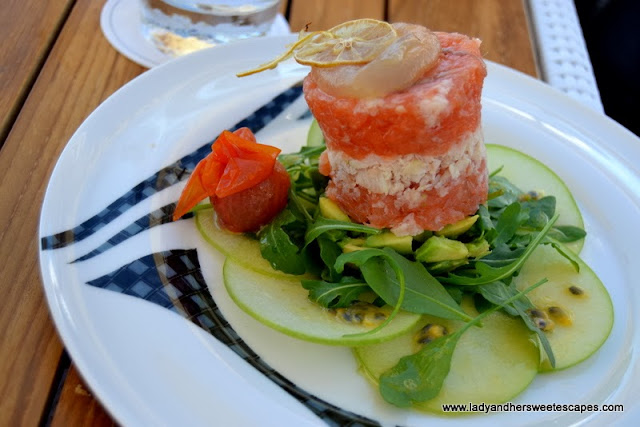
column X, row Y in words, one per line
column 352, row 42
column 302, row 39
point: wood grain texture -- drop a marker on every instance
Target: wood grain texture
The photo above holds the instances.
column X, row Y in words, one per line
column 27, row 30
column 77, row 406
column 502, row 25
column 327, row 13
column 80, row 72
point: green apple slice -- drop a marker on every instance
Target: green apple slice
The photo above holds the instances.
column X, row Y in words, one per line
column 243, row 249
column 586, row 316
column 529, row 174
column 283, row 304
column 315, row 138
column 490, row 364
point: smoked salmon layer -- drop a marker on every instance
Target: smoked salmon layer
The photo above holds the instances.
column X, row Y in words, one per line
column 427, row 118
column 410, row 193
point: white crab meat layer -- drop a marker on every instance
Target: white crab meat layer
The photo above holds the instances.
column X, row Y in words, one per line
column 408, row 177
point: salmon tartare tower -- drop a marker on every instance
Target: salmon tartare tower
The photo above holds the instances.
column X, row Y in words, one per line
column 408, row 159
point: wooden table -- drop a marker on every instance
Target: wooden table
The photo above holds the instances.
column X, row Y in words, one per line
column 55, row 68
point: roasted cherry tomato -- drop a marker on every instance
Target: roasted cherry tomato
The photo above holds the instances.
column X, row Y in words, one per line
column 238, row 165
column 250, row 209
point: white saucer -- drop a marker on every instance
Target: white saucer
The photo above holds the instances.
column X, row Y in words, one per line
column 120, row 22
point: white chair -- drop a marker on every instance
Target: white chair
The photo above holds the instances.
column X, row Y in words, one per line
column 564, row 60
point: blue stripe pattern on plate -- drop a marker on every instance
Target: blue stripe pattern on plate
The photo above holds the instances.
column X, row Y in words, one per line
column 160, row 216
column 173, row 279
column 166, row 177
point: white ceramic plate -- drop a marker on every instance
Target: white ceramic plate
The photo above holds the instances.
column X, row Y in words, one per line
column 121, row 26
column 150, row 366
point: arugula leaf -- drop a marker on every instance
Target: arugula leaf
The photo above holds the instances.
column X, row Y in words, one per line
column 277, row 247
column 323, row 225
column 318, row 181
column 510, row 193
column 522, row 239
column 456, row 293
column 540, row 211
column 312, row 152
column 508, row 223
column 496, row 172
column 420, row 376
column 359, row 258
column 335, row 295
column 297, row 207
column 567, row 233
column 498, row 292
column 306, row 156
column 485, row 274
column 329, row 253
column 485, row 224
column 306, row 182
column 442, row 267
column 565, row 252
column 502, row 255
column 423, row 295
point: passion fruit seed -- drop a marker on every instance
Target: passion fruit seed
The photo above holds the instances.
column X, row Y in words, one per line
column 575, row 290
column 360, row 313
column 430, row 332
column 541, row 319
column 559, row 316
column 531, row 195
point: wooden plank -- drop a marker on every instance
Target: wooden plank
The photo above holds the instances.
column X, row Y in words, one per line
column 27, row 30
column 502, row 25
column 77, row 406
column 327, row 13
column 80, row 72
column 284, row 5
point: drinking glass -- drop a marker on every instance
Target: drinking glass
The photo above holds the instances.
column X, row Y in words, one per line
column 177, row 27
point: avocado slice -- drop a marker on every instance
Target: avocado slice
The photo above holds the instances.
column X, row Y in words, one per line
column 437, row 249
column 401, row 244
column 457, row 228
column 478, row 248
column 329, row 209
column 352, row 245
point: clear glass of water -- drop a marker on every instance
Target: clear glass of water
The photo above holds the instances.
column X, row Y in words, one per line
column 178, row 27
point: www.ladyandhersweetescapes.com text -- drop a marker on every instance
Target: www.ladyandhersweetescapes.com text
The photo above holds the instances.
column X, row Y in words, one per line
column 526, row 407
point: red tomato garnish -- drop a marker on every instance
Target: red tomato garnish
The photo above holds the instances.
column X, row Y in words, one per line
column 241, row 174
column 236, row 163
column 230, row 145
column 245, row 133
column 202, row 183
column 211, row 173
column 250, row 209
